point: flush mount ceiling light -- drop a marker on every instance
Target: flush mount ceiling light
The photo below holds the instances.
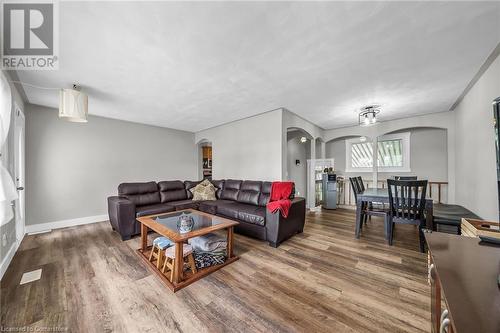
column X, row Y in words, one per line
column 303, row 139
column 73, row 105
column 368, row 115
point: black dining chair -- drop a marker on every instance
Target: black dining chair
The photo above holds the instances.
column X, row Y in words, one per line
column 367, row 209
column 361, row 187
column 357, row 188
column 407, row 205
column 405, row 177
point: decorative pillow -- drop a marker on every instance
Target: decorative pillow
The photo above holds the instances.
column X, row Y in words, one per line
column 204, row 191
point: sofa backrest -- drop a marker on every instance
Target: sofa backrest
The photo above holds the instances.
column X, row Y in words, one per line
column 149, row 193
column 219, row 185
column 265, row 193
column 249, row 192
column 140, row 193
column 189, row 184
column 172, row 190
column 231, row 189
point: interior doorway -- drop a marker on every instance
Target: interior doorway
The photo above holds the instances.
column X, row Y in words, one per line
column 298, row 152
column 19, row 160
column 205, row 160
column 315, row 170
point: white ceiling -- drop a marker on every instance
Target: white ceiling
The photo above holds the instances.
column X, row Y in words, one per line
column 196, row 65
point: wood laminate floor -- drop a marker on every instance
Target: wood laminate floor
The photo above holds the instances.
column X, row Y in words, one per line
column 323, row 280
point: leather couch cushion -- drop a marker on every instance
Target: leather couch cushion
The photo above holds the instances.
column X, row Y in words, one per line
column 231, row 189
column 210, row 207
column 265, row 194
column 252, row 214
column 243, row 212
column 189, row 184
column 140, row 193
column 219, row 184
column 153, row 209
column 184, row 204
column 172, row 191
column 249, row 192
column 229, row 209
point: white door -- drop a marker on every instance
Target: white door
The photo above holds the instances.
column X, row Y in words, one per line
column 19, row 158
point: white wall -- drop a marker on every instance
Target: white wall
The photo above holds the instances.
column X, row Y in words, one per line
column 292, row 120
column 72, row 167
column 250, row 148
column 476, row 179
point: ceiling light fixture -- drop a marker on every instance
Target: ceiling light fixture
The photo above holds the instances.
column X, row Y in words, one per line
column 303, row 139
column 368, row 115
column 73, row 105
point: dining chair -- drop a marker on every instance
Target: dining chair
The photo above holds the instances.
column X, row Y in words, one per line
column 367, row 209
column 407, row 205
column 356, row 189
column 361, row 185
column 405, row 177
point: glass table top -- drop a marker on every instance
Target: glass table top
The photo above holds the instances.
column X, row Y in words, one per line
column 187, row 221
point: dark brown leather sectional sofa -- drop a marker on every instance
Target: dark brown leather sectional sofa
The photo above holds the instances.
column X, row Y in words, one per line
column 241, row 200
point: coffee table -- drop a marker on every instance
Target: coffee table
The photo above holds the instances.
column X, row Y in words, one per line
column 166, row 225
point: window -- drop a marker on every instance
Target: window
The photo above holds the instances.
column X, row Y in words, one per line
column 390, row 153
column 361, row 155
column 393, row 154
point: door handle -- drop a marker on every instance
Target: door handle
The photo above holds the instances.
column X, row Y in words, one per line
column 20, row 188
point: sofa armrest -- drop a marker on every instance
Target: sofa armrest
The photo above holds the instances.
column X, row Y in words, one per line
column 122, row 216
column 279, row 228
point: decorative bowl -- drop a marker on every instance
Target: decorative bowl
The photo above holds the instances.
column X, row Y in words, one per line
column 185, row 223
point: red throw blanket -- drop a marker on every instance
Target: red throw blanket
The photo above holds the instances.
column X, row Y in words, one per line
column 280, row 197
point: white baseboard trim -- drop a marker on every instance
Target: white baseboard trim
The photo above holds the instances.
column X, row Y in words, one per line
column 38, row 228
column 8, row 258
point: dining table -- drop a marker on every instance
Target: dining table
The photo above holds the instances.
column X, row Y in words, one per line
column 381, row 195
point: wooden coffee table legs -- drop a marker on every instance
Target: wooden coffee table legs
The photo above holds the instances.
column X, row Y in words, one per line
column 144, row 237
column 178, row 263
column 229, row 242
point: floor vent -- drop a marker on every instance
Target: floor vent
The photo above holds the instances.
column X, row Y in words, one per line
column 31, row 276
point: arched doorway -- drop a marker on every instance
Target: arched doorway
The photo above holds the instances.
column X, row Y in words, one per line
column 205, row 161
column 298, row 144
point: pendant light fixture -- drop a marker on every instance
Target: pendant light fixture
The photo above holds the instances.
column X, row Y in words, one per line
column 73, row 105
column 368, row 115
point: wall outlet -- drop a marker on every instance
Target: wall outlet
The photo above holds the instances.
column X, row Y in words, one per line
column 4, row 240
